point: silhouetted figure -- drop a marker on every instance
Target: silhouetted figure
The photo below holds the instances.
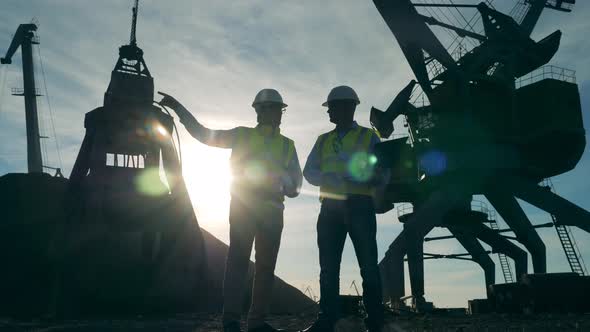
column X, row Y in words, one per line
column 265, row 168
column 341, row 163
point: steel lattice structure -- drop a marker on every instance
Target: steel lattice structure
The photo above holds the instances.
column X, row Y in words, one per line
column 478, row 133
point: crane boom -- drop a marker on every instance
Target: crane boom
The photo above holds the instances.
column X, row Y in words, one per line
column 22, row 31
column 24, row 38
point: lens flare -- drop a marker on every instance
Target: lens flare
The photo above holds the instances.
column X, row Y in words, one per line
column 373, row 160
column 161, row 130
column 362, row 166
column 149, row 183
column 433, row 162
column 255, row 172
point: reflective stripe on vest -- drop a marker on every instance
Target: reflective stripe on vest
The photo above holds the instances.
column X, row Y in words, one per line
column 346, row 157
column 255, row 156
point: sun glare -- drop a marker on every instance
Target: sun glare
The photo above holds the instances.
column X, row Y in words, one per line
column 162, row 130
column 207, row 176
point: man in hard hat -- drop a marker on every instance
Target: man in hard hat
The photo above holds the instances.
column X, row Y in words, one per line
column 265, row 168
column 342, row 164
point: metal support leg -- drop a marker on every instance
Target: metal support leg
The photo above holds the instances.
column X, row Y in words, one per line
column 501, row 244
column 392, row 270
column 415, row 251
column 478, row 254
column 424, row 219
column 567, row 213
column 508, row 207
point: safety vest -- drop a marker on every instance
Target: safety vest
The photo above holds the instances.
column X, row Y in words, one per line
column 347, row 156
column 256, row 158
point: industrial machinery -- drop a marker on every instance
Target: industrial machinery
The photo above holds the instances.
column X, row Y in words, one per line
column 477, row 131
column 134, row 240
column 120, row 237
column 31, row 203
column 114, row 238
column 25, row 38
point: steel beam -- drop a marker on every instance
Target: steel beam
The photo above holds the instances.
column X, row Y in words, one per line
column 512, row 213
column 500, row 244
column 567, row 213
column 478, row 254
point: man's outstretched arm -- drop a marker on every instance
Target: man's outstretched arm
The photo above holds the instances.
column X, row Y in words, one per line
column 211, row 137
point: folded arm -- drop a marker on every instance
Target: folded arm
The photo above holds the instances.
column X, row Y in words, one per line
column 294, row 178
column 313, row 174
column 312, row 171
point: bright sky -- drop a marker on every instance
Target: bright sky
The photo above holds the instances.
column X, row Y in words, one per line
column 214, row 56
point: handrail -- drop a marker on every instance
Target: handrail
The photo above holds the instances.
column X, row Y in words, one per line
column 404, row 208
column 547, row 72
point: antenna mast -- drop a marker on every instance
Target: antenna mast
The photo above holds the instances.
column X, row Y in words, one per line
column 132, row 38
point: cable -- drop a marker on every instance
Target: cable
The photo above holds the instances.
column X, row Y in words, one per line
column 457, row 41
column 462, row 16
column 432, row 68
column 3, row 76
column 50, row 109
column 438, row 18
column 175, row 129
column 41, row 120
column 477, row 18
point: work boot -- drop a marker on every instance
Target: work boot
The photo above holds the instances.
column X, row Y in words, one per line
column 264, row 328
column 232, row 327
column 321, row 325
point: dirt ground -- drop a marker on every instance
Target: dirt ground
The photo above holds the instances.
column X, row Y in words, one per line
column 418, row 323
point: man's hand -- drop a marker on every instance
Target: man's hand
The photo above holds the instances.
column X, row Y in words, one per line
column 275, row 185
column 169, row 101
column 286, row 181
column 181, row 111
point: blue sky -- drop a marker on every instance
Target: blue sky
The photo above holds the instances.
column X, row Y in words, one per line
column 214, row 57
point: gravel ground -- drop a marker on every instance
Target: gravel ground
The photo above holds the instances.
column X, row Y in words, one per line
column 210, row 322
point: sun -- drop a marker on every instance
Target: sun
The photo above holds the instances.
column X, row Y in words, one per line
column 207, row 176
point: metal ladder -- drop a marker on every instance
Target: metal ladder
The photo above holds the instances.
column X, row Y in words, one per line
column 480, row 206
column 569, row 245
column 504, row 263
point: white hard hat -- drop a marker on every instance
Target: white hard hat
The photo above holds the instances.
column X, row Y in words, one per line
column 268, row 96
column 342, row 92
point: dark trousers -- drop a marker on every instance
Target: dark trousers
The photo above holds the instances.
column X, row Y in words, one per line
column 259, row 222
column 355, row 216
